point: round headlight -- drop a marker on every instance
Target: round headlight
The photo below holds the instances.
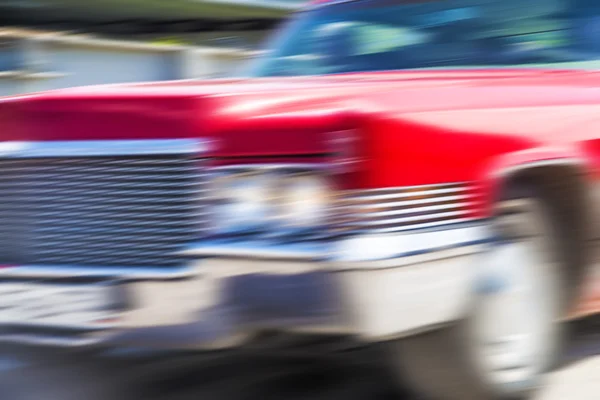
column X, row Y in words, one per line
column 242, row 202
column 303, row 201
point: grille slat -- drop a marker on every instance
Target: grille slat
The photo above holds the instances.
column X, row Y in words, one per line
column 419, row 202
column 409, row 219
column 408, row 211
column 379, row 195
column 397, row 209
column 100, row 211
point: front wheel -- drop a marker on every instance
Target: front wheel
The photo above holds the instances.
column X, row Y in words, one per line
column 512, row 334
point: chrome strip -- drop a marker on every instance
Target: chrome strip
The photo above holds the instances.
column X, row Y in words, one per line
column 126, row 273
column 95, row 148
column 237, row 168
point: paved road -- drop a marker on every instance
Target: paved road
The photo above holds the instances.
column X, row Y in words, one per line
column 325, row 371
column 579, row 381
column 321, row 370
column 579, row 376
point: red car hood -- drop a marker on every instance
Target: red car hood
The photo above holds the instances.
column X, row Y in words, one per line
column 289, row 115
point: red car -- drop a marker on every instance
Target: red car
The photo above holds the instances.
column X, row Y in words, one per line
column 416, row 173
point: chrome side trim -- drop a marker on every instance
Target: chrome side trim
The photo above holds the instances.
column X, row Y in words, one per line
column 125, row 273
column 96, row 148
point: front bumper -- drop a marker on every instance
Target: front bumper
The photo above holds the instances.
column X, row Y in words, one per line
column 375, row 287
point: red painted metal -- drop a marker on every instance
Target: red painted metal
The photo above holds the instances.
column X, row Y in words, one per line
column 415, row 127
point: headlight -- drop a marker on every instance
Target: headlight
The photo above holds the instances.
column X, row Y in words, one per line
column 303, row 201
column 241, row 202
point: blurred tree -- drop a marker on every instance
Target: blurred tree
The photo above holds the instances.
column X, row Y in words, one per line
column 171, row 41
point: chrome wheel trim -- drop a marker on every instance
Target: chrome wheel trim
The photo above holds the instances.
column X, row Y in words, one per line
column 514, row 329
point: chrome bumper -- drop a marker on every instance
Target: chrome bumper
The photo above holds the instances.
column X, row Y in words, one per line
column 376, row 287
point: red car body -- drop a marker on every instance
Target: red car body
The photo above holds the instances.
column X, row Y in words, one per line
column 442, row 126
column 439, row 188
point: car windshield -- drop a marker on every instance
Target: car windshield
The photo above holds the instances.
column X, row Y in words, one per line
column 378, row 35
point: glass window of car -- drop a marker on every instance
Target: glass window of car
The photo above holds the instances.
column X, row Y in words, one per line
column 376, row 35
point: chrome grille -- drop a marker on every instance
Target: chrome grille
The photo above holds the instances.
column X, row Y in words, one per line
column 99, row 211
column 396, row 209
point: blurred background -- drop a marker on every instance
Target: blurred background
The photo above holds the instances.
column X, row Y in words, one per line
column 49, row 44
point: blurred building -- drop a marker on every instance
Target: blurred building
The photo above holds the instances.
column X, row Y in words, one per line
column 195, row 21
column 48, row 44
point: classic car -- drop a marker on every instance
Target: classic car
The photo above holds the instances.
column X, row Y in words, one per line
column 417, row 174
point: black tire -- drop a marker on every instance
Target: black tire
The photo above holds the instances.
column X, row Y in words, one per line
column 439, row 365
